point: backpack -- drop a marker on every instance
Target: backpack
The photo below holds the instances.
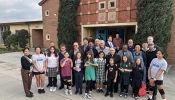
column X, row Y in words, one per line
column 142, row 90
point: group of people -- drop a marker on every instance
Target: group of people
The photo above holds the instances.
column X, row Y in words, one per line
column 97, row 63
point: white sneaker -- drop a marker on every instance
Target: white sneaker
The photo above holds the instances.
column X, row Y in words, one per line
column 70, row 92
column 88, row 96
column 90, row 93
column 85, row 95
column 66, row 92
column 54, row 89
column 51, row 89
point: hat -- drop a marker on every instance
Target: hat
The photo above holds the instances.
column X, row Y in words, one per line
column 150, row 43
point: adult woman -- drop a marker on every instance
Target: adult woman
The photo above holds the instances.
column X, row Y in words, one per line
column 26, row 64
column 52, row 67
column 39, row 69
column 155, row 74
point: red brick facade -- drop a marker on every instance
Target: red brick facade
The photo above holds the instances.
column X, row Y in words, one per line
column 89, row 13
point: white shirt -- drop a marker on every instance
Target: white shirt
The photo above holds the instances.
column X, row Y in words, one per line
column 110, row 44
column 52, row 61
column 39, row 61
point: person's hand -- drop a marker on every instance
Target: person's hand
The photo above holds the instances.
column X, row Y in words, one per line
column 115, row 64
column 122, row 70
column 47, row 70
column 106, row 79
column 151, row 82
column 57, row 70
column 114, row 80
column 74, row 68
column 77, row 67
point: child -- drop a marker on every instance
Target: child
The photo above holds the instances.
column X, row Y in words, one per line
column 52, row 67
column 100, row 71
column 137, row 77
column 125, row 70
column 111, row 76
column 78, row 73
column 90, row 64
column 66, row 71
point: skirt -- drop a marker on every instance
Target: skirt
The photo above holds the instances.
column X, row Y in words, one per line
column 124, row 79
column 136, row 83
column 52, row 72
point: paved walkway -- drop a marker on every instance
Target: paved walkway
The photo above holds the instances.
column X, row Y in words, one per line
column 11, row 87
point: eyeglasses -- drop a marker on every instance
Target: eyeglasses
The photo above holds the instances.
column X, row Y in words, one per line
column 75, row 45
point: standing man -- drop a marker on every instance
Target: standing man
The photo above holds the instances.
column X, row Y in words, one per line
column 118, row 41
column 103, row 48
column 131, row 45
column 61, row 56
column 91, row 48
column 151, row 39
column 72, row 55
column 117, row 59
column 85, row 44
column 110, row 44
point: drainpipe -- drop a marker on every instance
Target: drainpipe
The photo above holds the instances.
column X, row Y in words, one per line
column 29, row 35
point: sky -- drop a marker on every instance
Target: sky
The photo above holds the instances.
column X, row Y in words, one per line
column 20, row 10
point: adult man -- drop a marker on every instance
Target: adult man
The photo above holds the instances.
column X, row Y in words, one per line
column 97, row 43
column 109, row 43
column 118, row 41
column 85, row 44
column 117, row 62
column 150, row 55
column 151, row 39
column 72, row 55
column 130, row 45
column 61, row 56
column 126, row 52
column 91, row 48
column 103, row 48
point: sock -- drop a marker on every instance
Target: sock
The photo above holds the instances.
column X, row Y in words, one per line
column 150, row 96
column 42, row 88
column 163, row 99
column 100, row 88
column 39, row 87
column 97, row 88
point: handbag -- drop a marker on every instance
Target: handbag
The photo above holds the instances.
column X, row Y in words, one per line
column 30, row 61
column 142, row 90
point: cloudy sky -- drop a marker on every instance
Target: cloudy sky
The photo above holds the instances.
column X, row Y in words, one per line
column 19, row 10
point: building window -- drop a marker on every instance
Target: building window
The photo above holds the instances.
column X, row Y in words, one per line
column 102, row 5
column 111, row 4
column 47, row 36
column 47, row 13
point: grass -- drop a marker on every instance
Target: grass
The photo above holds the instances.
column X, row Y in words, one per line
column 4, row 50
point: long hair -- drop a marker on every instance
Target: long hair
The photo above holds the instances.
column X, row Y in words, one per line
column 92, row 56
column 49, row 52
column 135, row 64
column 127, row 63
column 77, row 54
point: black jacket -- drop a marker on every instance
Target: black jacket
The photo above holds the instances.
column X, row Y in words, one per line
column 116, row 57
column 150, row 55
column 25, row 63
column 94, row 51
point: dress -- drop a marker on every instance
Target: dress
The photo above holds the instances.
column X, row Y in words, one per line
column 90, row 71
column 100, row 70
column 124, row 76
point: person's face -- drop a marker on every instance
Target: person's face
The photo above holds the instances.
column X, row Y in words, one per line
column 112, row 51
column 101, row 55
column 52, row 50
column 102, row 44
column 76, row 46
column 89, row 56
column 117, row 36
column 145, row 45
column 66, row 55
column 125, row 59
column 110, row 39
column 138, row 61
column 63, row 48
column 97, row 43
column 111, row 61
column 151, row 46
column 85, row 42
column 38, row 50
column 79, row 55
column 125, row 48
column 26, row 52
column 52, row 44
column 137, row 48
column 91, row 45
column 159, row 54
column 150, row 39
column 130, row 43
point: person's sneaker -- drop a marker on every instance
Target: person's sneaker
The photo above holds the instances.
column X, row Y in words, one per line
column 70, row 92
column 76, row 92
column 150, row 99
column 31, row 92
column 66, row 92
column 29, row 95
column 39, row 91
column 85, row 95
column 98, row 90
column 111, row 95
column 90, row 93
column 60, row 87
column 89, row 96
column 48, row 85
column 54, row 89
column 125, row 95
column 106, row 94
column 136, row 96
column 154, row 97
column 121, row 95
column 101, row 90
column 51, row 89
column 42, row 91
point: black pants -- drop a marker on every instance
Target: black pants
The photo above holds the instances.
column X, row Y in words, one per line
column 61, row 78
column 136, row 91
column 89, row 85
column 110, row 85
column 73, row 78
column 124, row 87
column 52, row 81
column 78, row 80
column 116, row 84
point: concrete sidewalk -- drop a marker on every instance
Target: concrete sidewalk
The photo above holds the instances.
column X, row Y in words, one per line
column 11, row 87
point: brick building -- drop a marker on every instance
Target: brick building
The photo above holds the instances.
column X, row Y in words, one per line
column 98, row 17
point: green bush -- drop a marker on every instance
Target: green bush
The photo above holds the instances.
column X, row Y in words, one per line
column 4, row 37
column 12, row 40
column 23, row 37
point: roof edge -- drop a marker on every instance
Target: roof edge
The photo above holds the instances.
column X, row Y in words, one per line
column 41, row 3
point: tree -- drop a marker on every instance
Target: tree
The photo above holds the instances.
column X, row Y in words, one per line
column 12, row 40
column 67, row 31
column 23, row 37
column 4, row 37
column 154, row 18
